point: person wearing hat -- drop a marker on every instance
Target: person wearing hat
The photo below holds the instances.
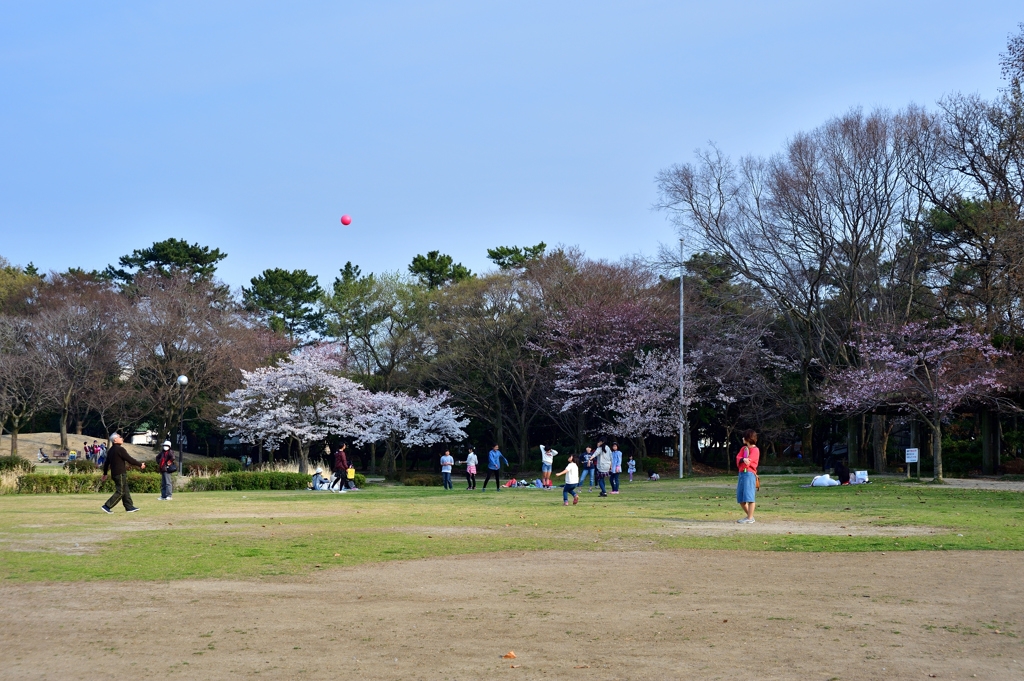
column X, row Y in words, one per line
column 165, row 464
column 320, row 483
column 117, row 461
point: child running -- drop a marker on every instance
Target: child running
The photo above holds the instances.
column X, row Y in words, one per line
column 572, row 479
column 631, row 468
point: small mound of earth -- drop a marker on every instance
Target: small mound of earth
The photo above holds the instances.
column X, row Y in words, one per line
column 708, row 528
column 443, row 531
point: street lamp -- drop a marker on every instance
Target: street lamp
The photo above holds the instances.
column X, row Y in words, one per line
column 182, row 382
column 682, row 397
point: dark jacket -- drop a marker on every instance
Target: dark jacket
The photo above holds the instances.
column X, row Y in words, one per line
column 117, row 461
column 340, row 461
column 164, row 459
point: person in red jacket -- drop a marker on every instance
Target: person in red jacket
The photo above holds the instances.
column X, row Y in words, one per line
column 166, row 465
column 118, row 460
column 746, row 487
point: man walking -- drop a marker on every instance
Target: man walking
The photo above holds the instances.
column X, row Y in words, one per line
column 117, row 462
column 494, row 459
column 165, row 464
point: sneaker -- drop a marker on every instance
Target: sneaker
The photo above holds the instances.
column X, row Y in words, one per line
column 745, row 521
column 133, row 509
column 602, row 494
column 105, row 509
column 161, row 498
column 169, row 498
column 575, row 499
column 565, row 503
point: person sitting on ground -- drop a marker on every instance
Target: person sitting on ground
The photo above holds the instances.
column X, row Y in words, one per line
column 320, row 483
column 842, row 472
column 652, row 476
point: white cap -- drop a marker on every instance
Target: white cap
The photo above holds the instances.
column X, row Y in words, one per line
column 319, row 470
column 167, row 443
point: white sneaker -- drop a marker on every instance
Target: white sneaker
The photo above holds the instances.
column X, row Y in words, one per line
column 745, row 521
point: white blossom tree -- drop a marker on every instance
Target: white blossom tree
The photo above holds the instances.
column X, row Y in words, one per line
column 303, row 400
column 402, row 421
column 650, row 402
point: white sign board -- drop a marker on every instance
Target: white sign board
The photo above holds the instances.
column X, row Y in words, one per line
column 912, row 455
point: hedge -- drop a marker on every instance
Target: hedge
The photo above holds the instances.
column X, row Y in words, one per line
column 80, row 466
column 213, row 466
column 250, row 481
column 84, row 484
column 16, row 463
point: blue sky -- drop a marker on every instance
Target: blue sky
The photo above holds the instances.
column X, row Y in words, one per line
column 253, row 126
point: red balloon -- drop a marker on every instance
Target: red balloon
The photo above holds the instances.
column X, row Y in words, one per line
column 346, row 220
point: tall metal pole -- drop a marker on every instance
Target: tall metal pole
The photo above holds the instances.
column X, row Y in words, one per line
column 682, row 397
column 182, row 382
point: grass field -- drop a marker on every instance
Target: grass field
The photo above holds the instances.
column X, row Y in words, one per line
column 251, row 534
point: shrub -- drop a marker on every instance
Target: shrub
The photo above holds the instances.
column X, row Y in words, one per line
column 1013, row 467
column 140, row 483
column 16, row 463
column 960, row 456
column 250, row 481
column 80, row 466
column 213, row 466
column 360, row 480
column 420, row 480
column 651, row 463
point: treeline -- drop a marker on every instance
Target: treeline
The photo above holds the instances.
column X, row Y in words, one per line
column 810, row 276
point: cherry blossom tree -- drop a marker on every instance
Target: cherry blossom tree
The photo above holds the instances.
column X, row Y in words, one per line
column 650, row 402
column 914, row 369
column 402, row 421
column 303, row 400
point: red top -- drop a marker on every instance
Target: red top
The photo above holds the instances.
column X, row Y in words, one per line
column 746, row 452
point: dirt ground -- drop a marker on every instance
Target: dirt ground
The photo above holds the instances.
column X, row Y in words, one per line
column 600, row 615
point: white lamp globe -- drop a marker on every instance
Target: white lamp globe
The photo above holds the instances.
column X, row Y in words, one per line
column 182, row 380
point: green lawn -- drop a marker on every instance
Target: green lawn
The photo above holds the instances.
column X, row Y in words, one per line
column 250, row 534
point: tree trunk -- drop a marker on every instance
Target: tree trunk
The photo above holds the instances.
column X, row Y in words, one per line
column 373, row 458
column 807, row 444
column 989, row 442
column 65, row 410
column 851, row 443
column 303, row 457
column 937, row 446
column 78, row 426
column 878, row 442
column 15, row 427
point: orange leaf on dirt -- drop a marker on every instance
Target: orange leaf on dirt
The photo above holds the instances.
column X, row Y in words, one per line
column 510, row 656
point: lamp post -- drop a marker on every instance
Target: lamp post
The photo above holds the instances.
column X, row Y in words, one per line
column 182, row 382
column 682, row 397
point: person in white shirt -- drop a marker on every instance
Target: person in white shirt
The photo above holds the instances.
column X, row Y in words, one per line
column 547, row 459
column 572, row 479
column 603, row 462
column 471, row 463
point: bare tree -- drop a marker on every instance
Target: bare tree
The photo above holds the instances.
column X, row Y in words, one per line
column 819, row 229
column 26, row 379
column 75, row 331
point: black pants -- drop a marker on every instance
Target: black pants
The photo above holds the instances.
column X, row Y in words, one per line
column 497, row 478
column 470, row 480
column 121, row 493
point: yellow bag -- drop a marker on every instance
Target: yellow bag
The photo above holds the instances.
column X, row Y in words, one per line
column 351, row 473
